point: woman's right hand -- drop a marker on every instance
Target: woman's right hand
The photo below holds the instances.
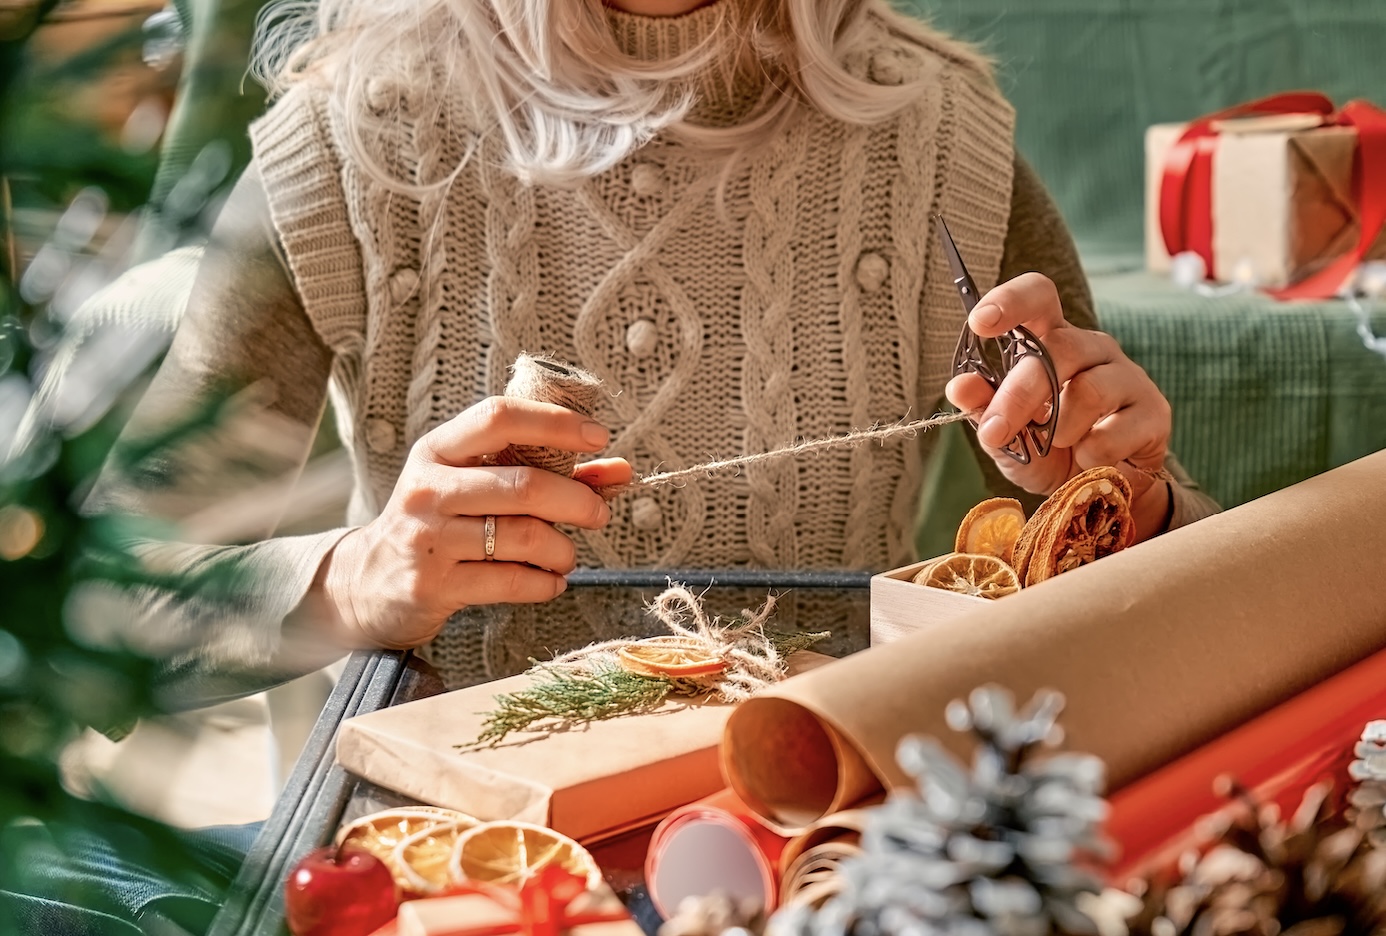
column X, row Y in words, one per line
column 395, row 581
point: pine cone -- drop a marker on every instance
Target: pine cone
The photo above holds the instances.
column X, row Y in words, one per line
column 1313, row 875
column 1367, row 801
column 997, row 851
column 713, row 915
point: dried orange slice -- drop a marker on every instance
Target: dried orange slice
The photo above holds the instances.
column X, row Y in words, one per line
column 424, row 858
column 380, row 833
column 670, row 656
column 1088, row 517
column 969, row 574
column 511, row 853
column 991, row 528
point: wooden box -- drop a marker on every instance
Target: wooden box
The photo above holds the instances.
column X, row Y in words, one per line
column 899, row 607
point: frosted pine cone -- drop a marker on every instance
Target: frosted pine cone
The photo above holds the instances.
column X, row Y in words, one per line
column 1367, row 801
column 997, row 851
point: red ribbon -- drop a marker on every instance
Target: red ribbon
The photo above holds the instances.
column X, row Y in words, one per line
column 541, row 906
column 1186, row 190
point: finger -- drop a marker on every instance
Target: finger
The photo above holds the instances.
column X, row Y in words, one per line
column 969, row 393
column 1074, row 350
column 1022, row 394
column 1030, row 299
column 493, row 424
column 486, row 583
column 518, row 539
column 517, row 491
column 604, row 472
column 1134, row 434
column 1092, row 395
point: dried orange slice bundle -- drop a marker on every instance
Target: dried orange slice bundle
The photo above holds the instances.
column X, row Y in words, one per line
column 381, row 833
column 511, row 853
column 672, row 656
column 991, row 528
column 968, row 574
column 1087, row 518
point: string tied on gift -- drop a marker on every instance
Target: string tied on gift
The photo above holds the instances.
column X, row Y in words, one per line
column 752, row 658
column 702, row 655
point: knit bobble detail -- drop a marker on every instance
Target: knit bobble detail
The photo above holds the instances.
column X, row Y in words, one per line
column 641, row 338
column 647, row 181
column 887, row 69
column 646, row 514
column 872, row 270
column 403, row 284
column 381, row 435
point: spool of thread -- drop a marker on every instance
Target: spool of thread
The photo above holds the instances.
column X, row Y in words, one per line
column 549, row 381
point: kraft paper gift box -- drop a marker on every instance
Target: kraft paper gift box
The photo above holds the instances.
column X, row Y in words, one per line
column 590, row 782
column 1283, row 204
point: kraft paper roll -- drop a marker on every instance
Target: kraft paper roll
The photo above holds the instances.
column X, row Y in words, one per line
column 1159, row 649
column 810, row 861
column 716, row 844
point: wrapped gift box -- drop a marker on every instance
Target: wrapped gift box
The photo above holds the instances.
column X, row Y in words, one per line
column 589, row 782
column 1283, row 205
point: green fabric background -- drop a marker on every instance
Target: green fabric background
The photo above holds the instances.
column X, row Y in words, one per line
column 1088, row 76
column 1264, row 395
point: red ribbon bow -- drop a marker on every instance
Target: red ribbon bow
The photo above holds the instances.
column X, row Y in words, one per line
column 541, row 906
column 1186, row 191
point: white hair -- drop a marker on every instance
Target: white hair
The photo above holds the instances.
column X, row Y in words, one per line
column 550, row 77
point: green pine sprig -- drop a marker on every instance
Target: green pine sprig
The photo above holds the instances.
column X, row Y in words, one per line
column 564, row 698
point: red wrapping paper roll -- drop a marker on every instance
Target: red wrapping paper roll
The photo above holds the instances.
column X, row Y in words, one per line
column 1278, row 756
column 715, row 844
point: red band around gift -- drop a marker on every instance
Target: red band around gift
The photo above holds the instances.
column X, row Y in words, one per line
column 1186, row 188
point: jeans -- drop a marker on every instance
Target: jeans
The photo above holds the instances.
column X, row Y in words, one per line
column 90, row 887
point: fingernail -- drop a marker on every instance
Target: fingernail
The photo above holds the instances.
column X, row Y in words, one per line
column 994, row 431
column 594, row 433
column 604, row 517
column 987, row 315
column 562, row 586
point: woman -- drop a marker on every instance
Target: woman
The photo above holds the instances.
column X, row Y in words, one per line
column 719, row 207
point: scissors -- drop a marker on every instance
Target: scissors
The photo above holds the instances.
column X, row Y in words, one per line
column 1011, row 348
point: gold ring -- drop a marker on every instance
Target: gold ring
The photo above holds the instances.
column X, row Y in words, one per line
column 490, row 537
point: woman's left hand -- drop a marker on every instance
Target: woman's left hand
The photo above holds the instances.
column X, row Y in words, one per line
column 1110, row 411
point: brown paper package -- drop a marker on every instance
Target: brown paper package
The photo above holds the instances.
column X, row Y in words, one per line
column 1158, row 649
column 589, row 782
column 1282, row 199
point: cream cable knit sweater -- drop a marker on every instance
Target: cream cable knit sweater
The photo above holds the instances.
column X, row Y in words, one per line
column 815, row 305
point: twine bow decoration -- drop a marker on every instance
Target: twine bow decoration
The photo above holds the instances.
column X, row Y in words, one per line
column 701, row 655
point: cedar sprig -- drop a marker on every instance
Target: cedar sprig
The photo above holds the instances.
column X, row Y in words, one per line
column 562, row 699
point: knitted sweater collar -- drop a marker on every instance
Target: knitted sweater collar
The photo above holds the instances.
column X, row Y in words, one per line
column 726, row 89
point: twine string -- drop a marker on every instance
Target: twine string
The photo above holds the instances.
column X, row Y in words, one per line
column 752, row 661
column 543, row 378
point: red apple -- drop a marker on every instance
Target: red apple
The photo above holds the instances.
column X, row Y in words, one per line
column 339, row 893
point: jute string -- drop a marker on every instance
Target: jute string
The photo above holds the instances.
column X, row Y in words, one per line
column 752, row 661
column 549, row 381
column 542, row 378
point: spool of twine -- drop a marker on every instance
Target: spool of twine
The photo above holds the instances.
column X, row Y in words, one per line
column 540, row 378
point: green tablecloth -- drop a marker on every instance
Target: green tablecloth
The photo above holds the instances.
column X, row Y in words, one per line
column 1265, row 394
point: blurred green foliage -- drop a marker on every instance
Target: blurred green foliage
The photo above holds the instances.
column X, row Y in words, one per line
column 61, row 671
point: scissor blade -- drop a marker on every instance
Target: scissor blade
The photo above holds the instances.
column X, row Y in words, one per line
column 961, row 278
